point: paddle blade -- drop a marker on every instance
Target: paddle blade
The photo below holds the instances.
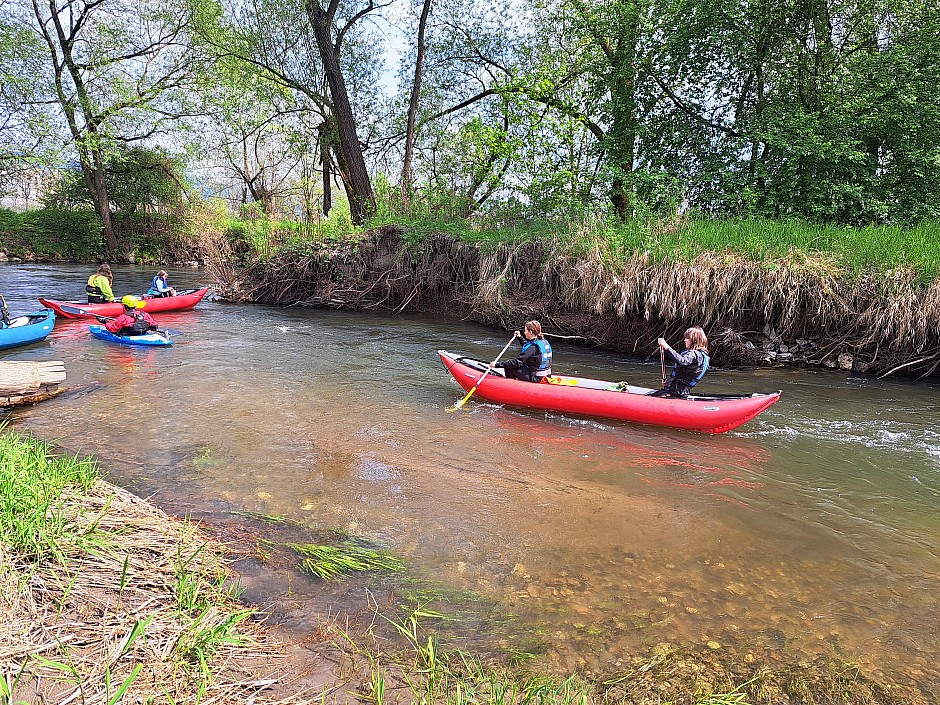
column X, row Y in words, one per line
column 75, row 310
column 459, row 404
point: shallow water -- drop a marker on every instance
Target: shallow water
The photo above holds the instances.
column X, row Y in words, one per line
column 810, row 531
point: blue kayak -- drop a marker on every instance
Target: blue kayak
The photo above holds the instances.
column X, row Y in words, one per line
column 27, row 329
column 157, row 339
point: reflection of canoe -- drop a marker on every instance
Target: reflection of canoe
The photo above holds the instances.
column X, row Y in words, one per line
column 146, row 339
column 183, row 301
column 592, row 397
column 27, row 329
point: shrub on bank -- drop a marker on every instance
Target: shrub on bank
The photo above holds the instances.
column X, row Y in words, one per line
column 51, row 234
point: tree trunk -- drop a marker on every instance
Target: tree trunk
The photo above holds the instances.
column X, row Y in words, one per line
column 94, row 177
column 326, row 165
column 359, row 186
column 413, row 107
column 622, row 135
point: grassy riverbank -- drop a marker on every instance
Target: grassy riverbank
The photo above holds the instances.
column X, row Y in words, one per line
column 75, row 235
column 105, row 599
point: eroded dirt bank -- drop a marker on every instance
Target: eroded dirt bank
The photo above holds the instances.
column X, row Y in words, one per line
column 794, row 311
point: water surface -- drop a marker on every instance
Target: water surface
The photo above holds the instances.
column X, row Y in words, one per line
column 810, row 531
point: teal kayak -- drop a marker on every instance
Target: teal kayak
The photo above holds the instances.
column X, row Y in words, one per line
column 155, row 338
column 27, row 329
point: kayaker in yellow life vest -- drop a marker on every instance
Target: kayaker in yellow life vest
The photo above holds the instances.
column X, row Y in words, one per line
column 99, row 286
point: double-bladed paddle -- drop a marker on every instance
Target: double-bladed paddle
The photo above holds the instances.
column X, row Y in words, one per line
column 489, row 367
column 77, row 311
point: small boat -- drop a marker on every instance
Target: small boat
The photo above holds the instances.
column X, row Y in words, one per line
column 155, row 338
column 27, row 329
column 714, row 413
column 183, row 301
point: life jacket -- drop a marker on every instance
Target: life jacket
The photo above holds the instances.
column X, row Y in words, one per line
column 138, row 327
column 544, row 368
column 92, row 287
column 689, row 375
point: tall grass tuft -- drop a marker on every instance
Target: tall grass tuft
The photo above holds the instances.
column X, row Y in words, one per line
column 329, row 562
column 31, row 484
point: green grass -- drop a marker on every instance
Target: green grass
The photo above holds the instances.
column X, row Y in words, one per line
column 850, row 249
column 329, row 562
column 32, row 481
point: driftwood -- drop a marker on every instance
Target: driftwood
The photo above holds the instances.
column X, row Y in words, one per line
column 27, row 382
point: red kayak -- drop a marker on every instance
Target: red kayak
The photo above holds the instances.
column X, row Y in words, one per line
column 183, row 301
column 593, row 397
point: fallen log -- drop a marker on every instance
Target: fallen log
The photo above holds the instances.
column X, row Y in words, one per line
column 28, row 382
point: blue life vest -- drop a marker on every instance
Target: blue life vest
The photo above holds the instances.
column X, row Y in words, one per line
column 545, row 356
column 705, row 361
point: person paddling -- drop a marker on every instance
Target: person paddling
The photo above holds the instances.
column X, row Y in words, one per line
column 99, row 285
column 132, row 321
column 159, row 286
column 534, row 363
column 689, row 366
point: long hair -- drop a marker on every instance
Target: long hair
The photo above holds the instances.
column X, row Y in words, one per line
column 105, row 270
column 697, row 337
column 535, row 328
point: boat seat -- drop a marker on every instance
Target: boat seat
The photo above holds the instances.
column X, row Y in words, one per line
column 18, row 321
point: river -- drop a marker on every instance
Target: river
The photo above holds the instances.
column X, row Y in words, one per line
column 810, row 531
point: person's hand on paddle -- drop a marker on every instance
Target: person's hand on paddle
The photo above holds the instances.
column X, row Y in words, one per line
column 101, row 319
column 662, row 343
column 515, row 336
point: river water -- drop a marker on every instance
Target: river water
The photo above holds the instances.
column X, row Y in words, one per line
column 811, row 531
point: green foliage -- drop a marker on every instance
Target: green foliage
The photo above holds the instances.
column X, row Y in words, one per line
column 32, row 482
column 259, row 236
column 51, row 234
column 137, row 179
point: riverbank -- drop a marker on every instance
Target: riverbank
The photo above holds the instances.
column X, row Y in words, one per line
column 768, row 293
column 107, row 599
column 796, row 309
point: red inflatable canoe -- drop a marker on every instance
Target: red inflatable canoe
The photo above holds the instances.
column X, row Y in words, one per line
column 183, row 301
column 594, row 397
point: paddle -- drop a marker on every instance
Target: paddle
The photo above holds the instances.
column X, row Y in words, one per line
column 75, row 310
column 463, row 401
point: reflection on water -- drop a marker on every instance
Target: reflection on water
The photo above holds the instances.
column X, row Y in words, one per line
column 810, row 531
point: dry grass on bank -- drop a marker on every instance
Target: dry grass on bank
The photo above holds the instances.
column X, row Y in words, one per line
column 120, row 603
column 756, row 312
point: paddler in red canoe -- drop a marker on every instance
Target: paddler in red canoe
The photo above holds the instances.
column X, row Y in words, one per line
column 689, row 366
column 534, row 363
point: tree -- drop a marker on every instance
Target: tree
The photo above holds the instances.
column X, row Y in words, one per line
column 352, row 164
column 118, row 71
column 413, row 102
column 291, row 46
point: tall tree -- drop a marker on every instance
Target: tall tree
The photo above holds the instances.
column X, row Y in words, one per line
column 352, row 164
column 413, row 102
column 118, row 70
